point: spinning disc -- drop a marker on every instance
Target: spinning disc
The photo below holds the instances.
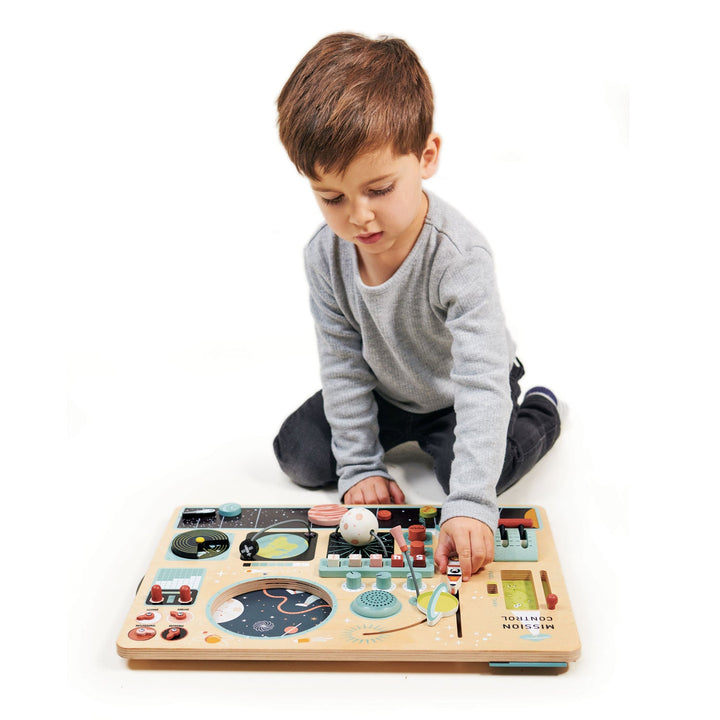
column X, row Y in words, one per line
column 271, row 608
column 200, row 544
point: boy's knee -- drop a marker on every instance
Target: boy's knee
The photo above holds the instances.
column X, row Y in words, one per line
column 544, row 415
column 308, row 460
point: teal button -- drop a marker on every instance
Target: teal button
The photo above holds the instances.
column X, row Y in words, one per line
column 230, row 510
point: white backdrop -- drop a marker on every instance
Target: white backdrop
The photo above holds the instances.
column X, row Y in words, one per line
column 154, row 311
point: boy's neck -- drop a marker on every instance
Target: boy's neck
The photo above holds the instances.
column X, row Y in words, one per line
column 374, row 270
column 377, row 268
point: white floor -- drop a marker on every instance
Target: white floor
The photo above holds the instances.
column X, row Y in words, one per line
column 153, row 286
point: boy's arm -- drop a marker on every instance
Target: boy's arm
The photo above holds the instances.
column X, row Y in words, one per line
column 481, row 360
column 347, row 382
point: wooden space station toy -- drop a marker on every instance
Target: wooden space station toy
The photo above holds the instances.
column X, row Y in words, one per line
column 347, row 584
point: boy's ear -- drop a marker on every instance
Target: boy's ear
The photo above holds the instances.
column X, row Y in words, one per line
column 430, row 156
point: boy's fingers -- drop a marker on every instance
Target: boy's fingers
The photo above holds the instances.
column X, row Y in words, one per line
column 465, row 557
column 397, row 495
column 489, row 549
column 441, row 556
column 382, row 491
column 473, row 555
column 473, row 548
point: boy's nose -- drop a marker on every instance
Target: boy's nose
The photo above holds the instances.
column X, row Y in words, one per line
column 360, row 213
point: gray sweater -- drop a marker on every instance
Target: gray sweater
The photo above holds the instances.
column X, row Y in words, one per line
column 430, row 337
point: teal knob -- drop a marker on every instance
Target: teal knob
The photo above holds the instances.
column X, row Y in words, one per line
column 383, row 581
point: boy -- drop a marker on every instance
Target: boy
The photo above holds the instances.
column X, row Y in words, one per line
column 411, row 334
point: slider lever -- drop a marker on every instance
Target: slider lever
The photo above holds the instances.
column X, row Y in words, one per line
column 397, row 533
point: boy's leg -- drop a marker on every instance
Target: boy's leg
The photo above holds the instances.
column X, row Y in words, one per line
column 533, row 429
column 303, row 446
column 435, row 434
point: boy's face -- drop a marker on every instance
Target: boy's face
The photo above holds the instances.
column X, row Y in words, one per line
column 377, row 203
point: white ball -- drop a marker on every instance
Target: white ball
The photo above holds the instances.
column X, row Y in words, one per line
column 356, row 524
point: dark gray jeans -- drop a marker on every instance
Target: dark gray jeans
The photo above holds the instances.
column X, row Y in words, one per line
column 303, row 445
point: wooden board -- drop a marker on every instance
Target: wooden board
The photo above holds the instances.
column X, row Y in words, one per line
column 290, row 601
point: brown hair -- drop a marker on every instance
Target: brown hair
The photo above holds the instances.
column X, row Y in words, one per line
column 351, row 95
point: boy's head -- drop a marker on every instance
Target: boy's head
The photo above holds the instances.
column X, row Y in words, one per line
column 351, row 95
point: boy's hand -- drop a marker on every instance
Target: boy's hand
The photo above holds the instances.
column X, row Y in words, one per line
column 375, row 490
column 471, row 540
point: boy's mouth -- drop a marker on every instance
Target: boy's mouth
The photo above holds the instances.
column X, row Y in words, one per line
column 369, row 238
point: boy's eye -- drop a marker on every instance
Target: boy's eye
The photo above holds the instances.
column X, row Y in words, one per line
column 383, row 191
column 332, row 201
column 374, row 193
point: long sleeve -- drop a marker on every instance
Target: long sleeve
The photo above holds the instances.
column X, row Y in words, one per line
column 479, row 375
column 347, row 382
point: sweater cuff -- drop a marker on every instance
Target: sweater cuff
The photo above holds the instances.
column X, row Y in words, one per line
column 487, row 513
